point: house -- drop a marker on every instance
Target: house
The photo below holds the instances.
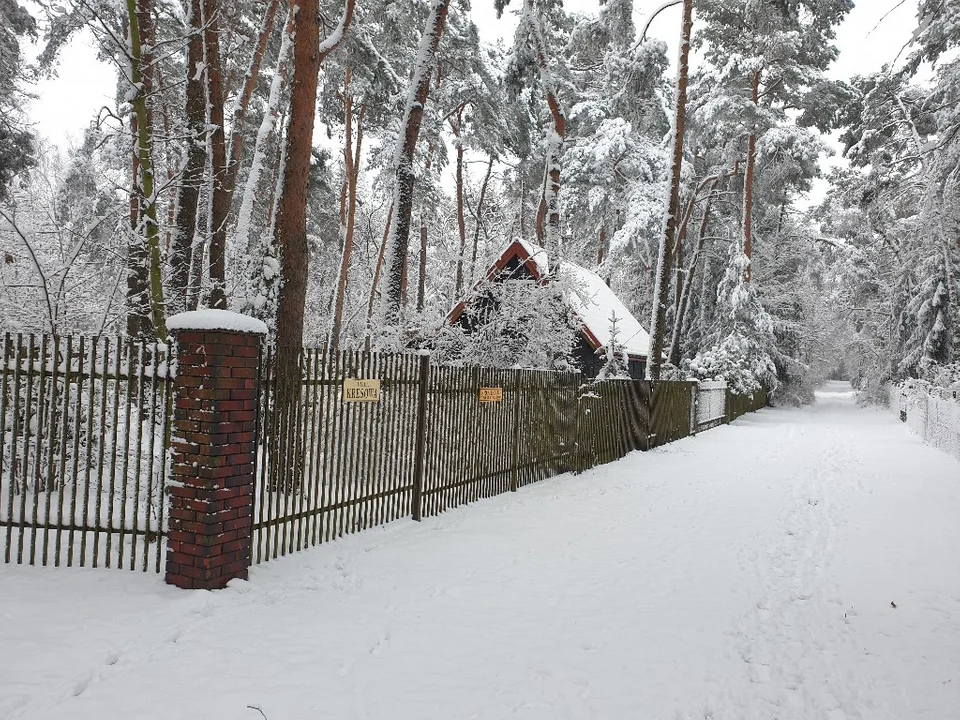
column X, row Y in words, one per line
column 589, row 299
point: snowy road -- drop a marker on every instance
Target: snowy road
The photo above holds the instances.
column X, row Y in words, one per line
column 748, row 573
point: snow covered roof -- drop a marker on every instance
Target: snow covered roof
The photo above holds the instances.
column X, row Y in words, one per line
column 589, row 297
column 595, row 303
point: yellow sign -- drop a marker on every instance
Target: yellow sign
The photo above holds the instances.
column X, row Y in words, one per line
column 491, row 395
column 356, row 390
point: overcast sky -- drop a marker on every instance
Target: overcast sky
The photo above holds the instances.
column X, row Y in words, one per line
column 83, row 84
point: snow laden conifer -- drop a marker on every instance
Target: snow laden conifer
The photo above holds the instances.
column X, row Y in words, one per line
column 615, row 365
column 742, row 347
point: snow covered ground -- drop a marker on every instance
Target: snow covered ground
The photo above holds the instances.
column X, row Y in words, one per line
column 748, row 573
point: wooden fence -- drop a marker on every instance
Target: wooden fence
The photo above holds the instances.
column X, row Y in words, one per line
column 437, row 437
column 84, row 425
column 85, row 432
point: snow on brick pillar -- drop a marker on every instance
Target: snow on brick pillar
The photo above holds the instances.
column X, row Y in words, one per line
column 213, row 446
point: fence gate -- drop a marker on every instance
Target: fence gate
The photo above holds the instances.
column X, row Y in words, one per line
column 83, row 430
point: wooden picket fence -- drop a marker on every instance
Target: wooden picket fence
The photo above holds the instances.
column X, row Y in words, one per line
column 85, row 427
column 442, row 436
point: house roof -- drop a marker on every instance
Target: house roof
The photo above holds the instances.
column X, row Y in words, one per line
column 589, row 297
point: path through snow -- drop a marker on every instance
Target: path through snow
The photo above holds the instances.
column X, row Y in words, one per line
column 747, row 573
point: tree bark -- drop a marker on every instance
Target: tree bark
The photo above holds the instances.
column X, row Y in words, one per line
column 219, row 195
column 422, row 280
column 549, row 209
column 188, row 194
column 683, row 304
column 478, row 216
column 457, row 125
column 351, row 159
column 243, row 102
column 399, row 236
column 290, row 230
column 748, row 183
column 661, row 294
column 378, row 271
column 290, row 227
column 144, row 185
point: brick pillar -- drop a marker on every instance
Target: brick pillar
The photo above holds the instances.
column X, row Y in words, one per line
column 213, row 447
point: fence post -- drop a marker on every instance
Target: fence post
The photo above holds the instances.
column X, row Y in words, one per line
column 213, row 448
column 694, row 399
column 515, row 460
column 416, row 499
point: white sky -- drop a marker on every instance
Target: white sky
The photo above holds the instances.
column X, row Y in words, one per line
column 83, row 84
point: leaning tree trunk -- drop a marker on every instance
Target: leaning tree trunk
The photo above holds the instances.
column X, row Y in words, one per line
column 748, row 184
column 398, row 244
column 144, row 185
column 661, row 293
column 243, row 101
column 686, row 292
column 549, row 208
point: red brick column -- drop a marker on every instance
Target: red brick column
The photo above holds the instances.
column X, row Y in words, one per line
column 212, row 448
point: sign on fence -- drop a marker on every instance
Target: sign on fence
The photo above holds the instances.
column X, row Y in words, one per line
column 357, row 390
column 491, row 395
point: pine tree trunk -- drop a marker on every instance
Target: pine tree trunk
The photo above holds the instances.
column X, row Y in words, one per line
column 461, row 219
column 548, row 214
column 148, row 227
column 188, row 193
column 398, row 244
column 422, row 280
column 378, row 271
column 290, row 228
column 219, row 196
column 661, row 295
column 479, row 219
column 243, row 102
column 683, row 305
column 268, row 124
column 351, row 158
column 748, row 184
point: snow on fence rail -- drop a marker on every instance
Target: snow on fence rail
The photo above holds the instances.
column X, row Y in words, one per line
column 931, row 412
column 85, row 432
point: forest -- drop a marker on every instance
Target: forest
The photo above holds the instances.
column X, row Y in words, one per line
column 347, row 171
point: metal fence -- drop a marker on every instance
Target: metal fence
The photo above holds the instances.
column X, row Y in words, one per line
column 84, row 426
column 931, row 412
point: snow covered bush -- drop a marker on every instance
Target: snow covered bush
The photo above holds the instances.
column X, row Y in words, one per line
column 513, row 323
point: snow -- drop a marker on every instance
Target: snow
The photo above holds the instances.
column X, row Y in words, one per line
column 216, row 320
column 595, row 303
column 538, row 256
column 748, row 573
